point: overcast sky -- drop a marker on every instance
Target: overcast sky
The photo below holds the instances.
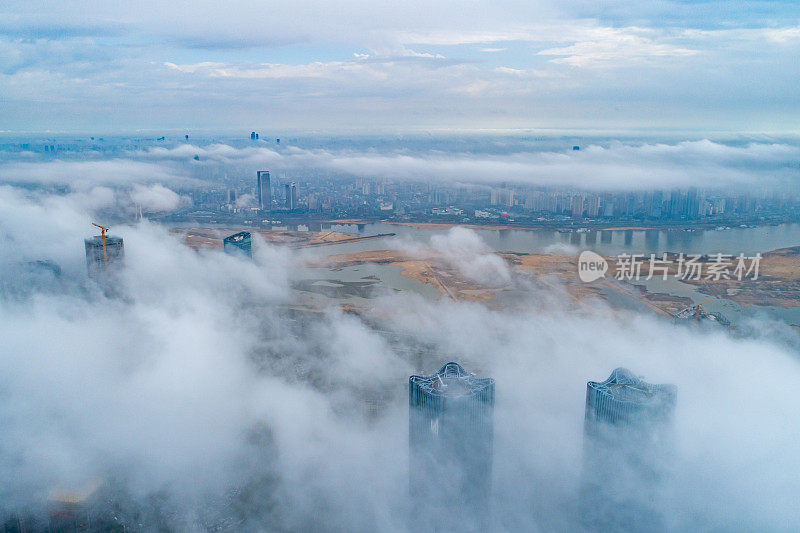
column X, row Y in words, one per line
column 371, row 65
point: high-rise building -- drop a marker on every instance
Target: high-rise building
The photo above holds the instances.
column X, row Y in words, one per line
column 290, row 190
column 655, row 204
column 692, row 203
column 592, row 205
column 677, row 204
column 104, row 255
column 238, row 243
column 503, row 196
column 608, row 205
column 451, row 435
column 264, row 190
column 576, row 206
column 313, row 201
column 626, row 452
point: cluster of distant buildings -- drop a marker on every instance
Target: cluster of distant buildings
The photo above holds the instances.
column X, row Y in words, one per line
column 254, row 136
column 264, row 193
column 232, row 196
column 423, row 201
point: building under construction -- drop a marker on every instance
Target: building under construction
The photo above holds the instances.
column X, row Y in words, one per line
column 627, row 442
column 104, row 254
column 238, row 243
column 696, row 314
column 451, row 437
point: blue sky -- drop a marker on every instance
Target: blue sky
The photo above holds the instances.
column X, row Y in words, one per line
column 384, row 66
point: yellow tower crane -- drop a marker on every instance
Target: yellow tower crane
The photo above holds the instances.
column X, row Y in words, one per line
column 103, row 231
column 697, row 308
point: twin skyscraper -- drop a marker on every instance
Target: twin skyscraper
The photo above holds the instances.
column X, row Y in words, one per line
column 451, row 437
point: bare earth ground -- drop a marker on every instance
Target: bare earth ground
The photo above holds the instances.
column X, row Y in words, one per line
column 212, row 237
column 778, row 283
column 429, row 269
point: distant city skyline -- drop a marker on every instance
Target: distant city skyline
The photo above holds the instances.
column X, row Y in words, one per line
column 257, row 67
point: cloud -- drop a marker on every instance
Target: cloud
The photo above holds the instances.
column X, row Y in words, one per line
column 466, row 251
column 543, row 360
column 610, row 46
column 198, row 398
column 155, row 198
column 562, row 248
column 66, row 67
column 615, row 165
column 87, row 173
column 600, row 166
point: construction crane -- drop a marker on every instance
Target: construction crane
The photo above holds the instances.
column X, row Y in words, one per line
column 697, row 308
column 103, row 231
column 696, row 313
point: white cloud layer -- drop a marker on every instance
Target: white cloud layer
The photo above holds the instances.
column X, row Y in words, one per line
column 616, row 165
column 196, row 386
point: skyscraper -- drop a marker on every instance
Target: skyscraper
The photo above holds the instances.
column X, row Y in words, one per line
column 677, row 204
column 692, row 203
column 626, row 448
column 238, row 243
column 655, row 204
column 451, row 436
column 264, row 190
column 290, row 190
column 104, row 255
column 592, row 205
column 576, row 206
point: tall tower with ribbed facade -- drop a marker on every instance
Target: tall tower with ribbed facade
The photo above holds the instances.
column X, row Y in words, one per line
column 627, row 442
column 451, row 435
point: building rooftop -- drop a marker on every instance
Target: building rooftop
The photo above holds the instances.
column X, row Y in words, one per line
column 451, row 380
column 237, row 237
column 625, row 387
